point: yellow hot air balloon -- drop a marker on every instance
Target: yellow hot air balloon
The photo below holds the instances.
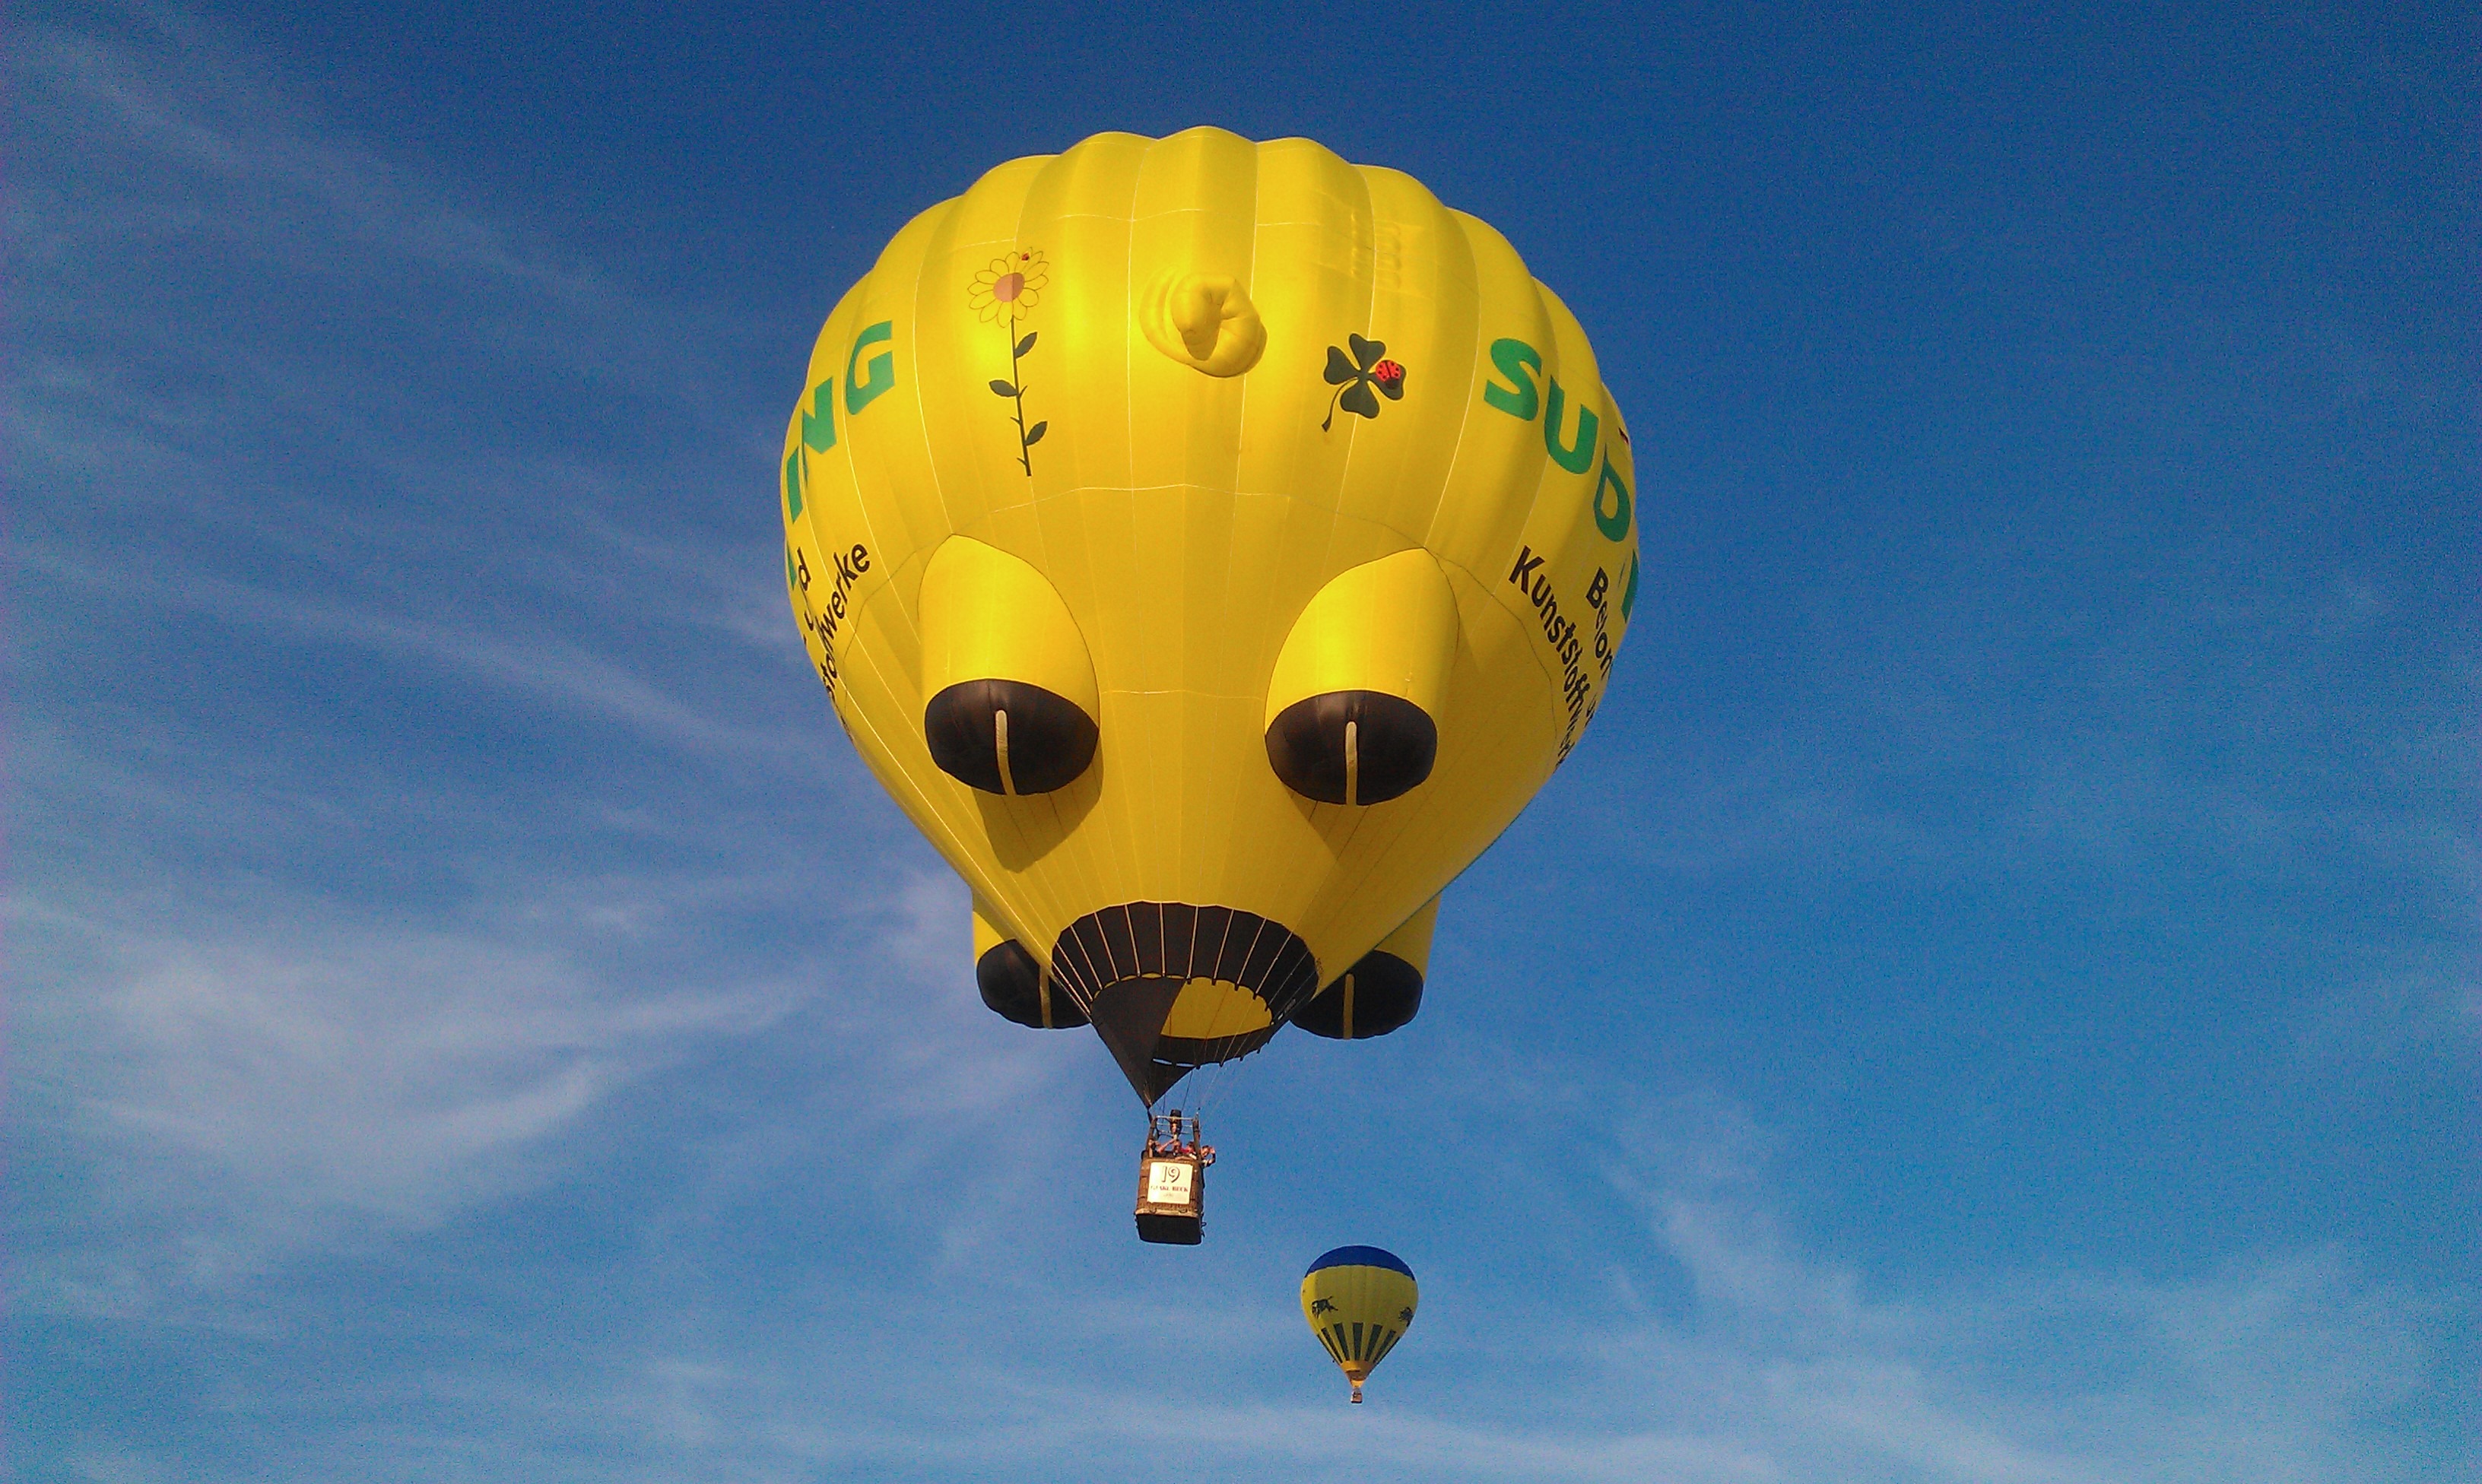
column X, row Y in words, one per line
column 1360, row 1301
column 1211, row 545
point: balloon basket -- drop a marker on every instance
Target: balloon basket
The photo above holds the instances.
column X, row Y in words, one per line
column 1171, row 1182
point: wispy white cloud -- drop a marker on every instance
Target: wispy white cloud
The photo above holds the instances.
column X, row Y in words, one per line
column 290, row 1077
column 246, row 1093
column 530, row 663
column 1780, row 1366
column 233, row 154
column 240, row 1063
column 2283, row 1368
column 2425, row 1001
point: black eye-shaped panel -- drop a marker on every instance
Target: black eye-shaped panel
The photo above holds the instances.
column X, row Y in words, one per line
column 1353, row 747
column 1008, row 736
column 1378, row 994
column 1012, row 985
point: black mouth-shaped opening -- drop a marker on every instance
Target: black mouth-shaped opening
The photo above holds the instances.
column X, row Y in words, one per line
column 1127, row 969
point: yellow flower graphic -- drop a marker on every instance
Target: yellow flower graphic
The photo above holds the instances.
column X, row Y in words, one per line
column 1010, row 287
column 1002, row 295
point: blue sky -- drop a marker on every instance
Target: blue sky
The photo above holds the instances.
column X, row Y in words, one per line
column 1993, row 999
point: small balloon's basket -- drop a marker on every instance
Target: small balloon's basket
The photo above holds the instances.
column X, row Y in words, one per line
column 1172, row 1181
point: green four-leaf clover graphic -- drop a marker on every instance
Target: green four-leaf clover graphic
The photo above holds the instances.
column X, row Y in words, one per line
column 1353, row 378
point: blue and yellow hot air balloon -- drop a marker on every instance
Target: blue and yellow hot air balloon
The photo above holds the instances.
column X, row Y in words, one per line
column 1211, row 545
column 1360, row 1301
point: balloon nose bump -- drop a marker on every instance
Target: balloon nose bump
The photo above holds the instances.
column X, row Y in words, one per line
column 1205, row 321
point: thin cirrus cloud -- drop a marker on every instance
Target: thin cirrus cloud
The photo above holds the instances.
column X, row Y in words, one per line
column 565, row 673
column 242, row 1095
column 1783, row 1366
column 267, row 1063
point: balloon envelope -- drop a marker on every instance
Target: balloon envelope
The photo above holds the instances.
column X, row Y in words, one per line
column 1359, row 1301
column 1211, row 546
